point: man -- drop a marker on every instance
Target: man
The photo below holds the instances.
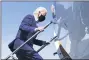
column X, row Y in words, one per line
column 27, row 28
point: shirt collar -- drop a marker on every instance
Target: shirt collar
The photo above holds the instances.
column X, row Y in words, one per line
column 36, row 19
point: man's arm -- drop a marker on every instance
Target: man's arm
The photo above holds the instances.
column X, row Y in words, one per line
column 26, row 24
column 39, row 42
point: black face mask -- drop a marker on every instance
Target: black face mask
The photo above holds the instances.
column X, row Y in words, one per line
column 41, row 18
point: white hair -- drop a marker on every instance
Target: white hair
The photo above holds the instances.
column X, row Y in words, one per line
column 39, row 9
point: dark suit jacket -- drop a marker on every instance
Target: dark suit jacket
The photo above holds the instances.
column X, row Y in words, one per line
column 25, row 31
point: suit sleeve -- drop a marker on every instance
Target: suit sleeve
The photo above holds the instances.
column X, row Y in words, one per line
column 26, row 24
column 38, row 42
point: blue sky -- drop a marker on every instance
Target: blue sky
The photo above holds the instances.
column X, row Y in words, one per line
column 12, row 15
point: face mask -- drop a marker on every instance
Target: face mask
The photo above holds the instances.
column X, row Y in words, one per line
column 41, row 18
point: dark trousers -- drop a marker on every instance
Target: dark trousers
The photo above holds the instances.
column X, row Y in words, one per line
column 27, row 55
column 26, row 52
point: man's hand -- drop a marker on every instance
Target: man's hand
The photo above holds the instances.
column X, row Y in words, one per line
column 53, row 9
column 88, row 31
column 39, row 28
column 54, row 53
column 47, row 43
